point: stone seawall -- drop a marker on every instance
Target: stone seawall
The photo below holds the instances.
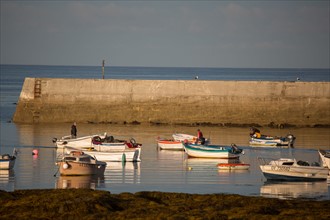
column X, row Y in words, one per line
column 174, row 102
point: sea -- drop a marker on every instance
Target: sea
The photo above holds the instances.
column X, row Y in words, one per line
column 159, row 170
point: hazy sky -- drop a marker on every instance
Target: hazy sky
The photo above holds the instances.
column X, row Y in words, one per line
column 166, row 33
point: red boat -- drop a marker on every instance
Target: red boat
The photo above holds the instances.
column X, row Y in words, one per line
column 233, row 166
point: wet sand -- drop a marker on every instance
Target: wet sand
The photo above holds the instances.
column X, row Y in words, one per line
column 90, row 204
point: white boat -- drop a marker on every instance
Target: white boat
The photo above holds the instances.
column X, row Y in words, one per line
column 212, row 151
column 128, row 154
column 187, row 137
column 7, row 161
column 77, row 163
column 291, row 170
column 110, row 143
column 79, row 143
column 325, row 157
column 165, row 144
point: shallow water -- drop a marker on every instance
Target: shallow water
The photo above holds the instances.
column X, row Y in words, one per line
column 167, row 171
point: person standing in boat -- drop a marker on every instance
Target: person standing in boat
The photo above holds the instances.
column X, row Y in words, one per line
column 74, row 130
column 200, row 137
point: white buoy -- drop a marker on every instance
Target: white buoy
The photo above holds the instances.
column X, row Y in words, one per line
column 65, row 166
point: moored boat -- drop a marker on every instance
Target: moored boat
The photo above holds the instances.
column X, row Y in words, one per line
column 110, row 143
column 77, row 163
column 169, row 144
column 291, row 170
column 7, row 161
column 81, row 142
column 188, row 138
column 257, row 139
column 126, row 155
column 233, row 166
column 212, row 151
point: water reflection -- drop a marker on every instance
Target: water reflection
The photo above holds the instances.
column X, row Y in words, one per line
column 7, row 179
column 290, row 190
column 119, row 172
column 75, row 182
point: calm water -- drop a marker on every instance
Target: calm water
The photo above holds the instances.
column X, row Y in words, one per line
column 168, row 171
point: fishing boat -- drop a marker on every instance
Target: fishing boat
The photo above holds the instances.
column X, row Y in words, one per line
column 188, row 138
column 81, row 142
column 257, row 139
column 7, row 162
column 325, row 157
column 78, row 163
column 233, row 166
column 291, row 170
column 212, row 151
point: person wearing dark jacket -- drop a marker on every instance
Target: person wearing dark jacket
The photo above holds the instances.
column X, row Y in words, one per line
column 74, row 130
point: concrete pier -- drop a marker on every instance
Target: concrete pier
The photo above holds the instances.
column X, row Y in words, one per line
column 174, row 102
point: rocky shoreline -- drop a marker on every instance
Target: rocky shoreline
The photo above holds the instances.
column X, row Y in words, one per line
column 96, row 204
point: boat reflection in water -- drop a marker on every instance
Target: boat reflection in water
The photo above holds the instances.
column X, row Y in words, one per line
column 79, row 182
column 7, row 179
column 115, row 172
column 121, row 172
column 294, row 190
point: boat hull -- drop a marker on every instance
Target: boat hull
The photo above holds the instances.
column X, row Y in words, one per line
column 209, row 151
column 73, row 168
column 7, row 162
column 129, row 155
column 170, row 145
column 292, row 173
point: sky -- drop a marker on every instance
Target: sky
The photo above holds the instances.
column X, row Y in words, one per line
column 234, row 34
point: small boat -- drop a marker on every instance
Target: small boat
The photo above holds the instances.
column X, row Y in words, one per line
column 110, row 143
column 212, row 151
column 233, row 166
column 77, row 163
column 188, row 138
column 7, row 161
column 126, row 155
column 256, row 139
column 81, row 142
column 325, row 157
column 165, row 144
column 292, row 170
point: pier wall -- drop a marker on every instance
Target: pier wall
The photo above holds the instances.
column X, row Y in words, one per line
column 174, row 102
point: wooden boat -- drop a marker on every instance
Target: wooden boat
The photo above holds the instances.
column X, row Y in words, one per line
column 291, row 170
column 7, row 161
column 325, row 157
column 169, row 144
column 212, row 151
column 233, row 166
column 188, row 138
column 77, row 163
column 81, row 142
